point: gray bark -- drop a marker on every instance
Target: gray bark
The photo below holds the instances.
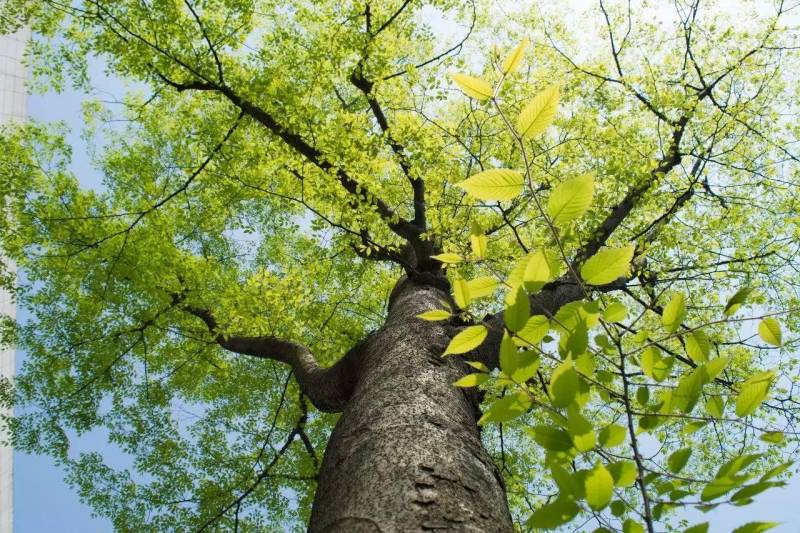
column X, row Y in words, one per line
column 406, row 454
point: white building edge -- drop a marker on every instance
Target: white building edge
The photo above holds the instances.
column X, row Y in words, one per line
column 13, row 106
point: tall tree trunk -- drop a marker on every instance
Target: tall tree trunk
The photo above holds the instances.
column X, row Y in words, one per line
column 406, row 454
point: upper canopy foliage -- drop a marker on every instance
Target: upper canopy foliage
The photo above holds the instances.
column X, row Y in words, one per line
column 276, row 166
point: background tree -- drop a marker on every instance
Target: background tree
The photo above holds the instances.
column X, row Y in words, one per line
column 278, row 209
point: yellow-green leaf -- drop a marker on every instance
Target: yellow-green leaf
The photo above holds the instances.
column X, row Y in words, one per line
column 607, row 265
column 563, row 384
column 770, row 330
column 678, row 460
column 674, row 312
column 448, row 258
column 473, row 87
column 477, row 242
column 753, row 392
column 506, row 408
column 698, row 346
column 615, row 312
column 461, row 293
column 612, row 435
column 471, row 380
column 623, row 472
column 537, row 271
column 539, row 113
column 737, row 300
column 482, row 286
column 581, row 431
column 516, row 314
column 468, row 339
column 435, row 314
column 533, row 331
column 494, row 184
column 599, row 487
column 512, row 60
column 570, row 199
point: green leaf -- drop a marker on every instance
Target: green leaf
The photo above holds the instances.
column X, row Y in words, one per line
column 477, row 241
column 508, row 355
column 715, row 406
column 698, row 528
column 618, row 507
column 756, row 527
column 448, row 258
column 778, row 470
column 516, row 315
column 753, row 392
column 612, row 435
column 630, row 526
column 512, row 61
column 674, row 312
column 435, row 314
column 471, row 380
column 607, row 265
column 477, row 365
column 533, row 331
column 749, row 491
column 615, row 312
column 570, row 199
column 623, row 472
column 678, row 460
column 737, row 300
column 773, row 437
column 482, row 286
column 698, row 346
column 461, row 293
column 655, row 366
column 599, row 487
column 527, row 365
column 690, row 387
column 498, row 184
column 539, row 113
column 563, row 384
column 770, row 330
column 716, row 366
column 473, row 87
column 554, row 514
column 552, row 438
column 580, row 430
column 467, row 340
column 537, row 271
column 506, row 408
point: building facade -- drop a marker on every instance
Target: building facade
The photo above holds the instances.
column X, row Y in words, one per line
column 13, row 106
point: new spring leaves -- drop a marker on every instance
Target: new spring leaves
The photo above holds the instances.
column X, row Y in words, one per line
column 678, row 361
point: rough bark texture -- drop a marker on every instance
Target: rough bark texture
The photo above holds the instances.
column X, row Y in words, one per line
column 406, row 454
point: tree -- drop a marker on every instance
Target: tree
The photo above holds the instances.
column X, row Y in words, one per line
column 324, row 282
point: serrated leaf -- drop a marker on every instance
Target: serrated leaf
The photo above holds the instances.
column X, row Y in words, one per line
column 655, row 366
column 537, row 271
column 678, row 460
column 563, row 384
column 770, row 330
column 527, row 365
column 674, row 312
column 599, row 487
column 473, row 87
column 773, row 437
column 554, row 514
column 756, row 527
column 607, row 265
column 612, row 435
column 631, row 526
column 506, row 408
column 716, row 366
column 512, row 60
column 461, row 293
column 570, row 199
column 477, row 241
column 477, row 365
column 448, row 258
column 552, row 438
column 467, row 340
column 435, row 314
column 697, row 528
column 539, row 113
column 534, row 330
column 623, row 472
column 508, row 355
column 516, row 314
column 615, row 312
column 698, row 346
column 753, row 392
column 482, row 286
column 498, row 184
column 471, row 380
column 715, row 406
column 737, row 300
column 581, row 431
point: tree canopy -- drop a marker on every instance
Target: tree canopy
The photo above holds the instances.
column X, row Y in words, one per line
column 277, row 166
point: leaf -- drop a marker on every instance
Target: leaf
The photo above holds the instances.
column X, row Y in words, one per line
column 655, row 366
column 674, row 312
column 494, row 184
column 533, row 331
column 506, row 408
column 527, row 365
column 623, row 472
column 698, row 346
column 477, row 241
column 581, row 431
column 607, row 265
column 716, row 366
column 570, row 199
column 477, row 365
column 473, row 87
column 599, row 487
column 512, row 60
column 539, row 113
column 461, row 293
column 770, row 330
column 537, row 271
column 615, row 312
column 715, row 406
column 563, row 384
column 482, row 286
column 737, row 300
column 552, row 515
column 690, row 387
column 508, row 355
column 755, row 527
column 467, row 340
column 630, row 526
column 612, row 435
column 435, row 314
column 753, row 392
column 678, row 460
column 773, row 437
column 471, row 380
column 553, row 439
column 516, row 315
column 697, row 528
column 448, row 258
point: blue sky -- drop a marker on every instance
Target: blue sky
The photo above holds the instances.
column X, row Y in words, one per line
column 43, row 502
